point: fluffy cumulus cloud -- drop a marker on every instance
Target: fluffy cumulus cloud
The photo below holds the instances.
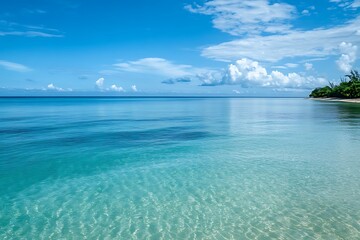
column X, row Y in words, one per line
column 17, row 67
column 100, row 83
column 52, row 87
column 348, row 56
column 249, row 73
column 238, row 17
column 134, row 88
column 116, row 88
column 244, row 72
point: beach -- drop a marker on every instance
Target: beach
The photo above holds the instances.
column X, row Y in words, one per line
column 354, row 100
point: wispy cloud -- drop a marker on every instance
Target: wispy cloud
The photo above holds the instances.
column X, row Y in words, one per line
column 311, row 43
column 30, row 34
column 291, row 65
column 158, row 66
column 238, row 17
column 308, row 66
column 17, row 67
column 346, row 3
column 35, row 11
column 177, row 80
column 15, row 29
column 355, row 4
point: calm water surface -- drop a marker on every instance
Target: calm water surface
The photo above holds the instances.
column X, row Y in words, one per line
column 179, row 168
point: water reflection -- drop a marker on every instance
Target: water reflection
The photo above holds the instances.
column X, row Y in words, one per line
column 349, row 113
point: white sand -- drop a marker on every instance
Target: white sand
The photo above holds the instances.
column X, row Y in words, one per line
column 353, row 100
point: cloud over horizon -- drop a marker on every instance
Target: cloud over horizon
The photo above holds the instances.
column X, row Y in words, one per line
column 248, row 73
column 100, row 86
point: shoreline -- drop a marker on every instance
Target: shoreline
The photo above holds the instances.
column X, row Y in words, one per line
column 351, row 100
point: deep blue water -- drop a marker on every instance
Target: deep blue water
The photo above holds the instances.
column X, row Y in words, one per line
column 179, row 168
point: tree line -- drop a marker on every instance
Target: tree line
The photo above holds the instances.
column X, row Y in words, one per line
column 349, row 87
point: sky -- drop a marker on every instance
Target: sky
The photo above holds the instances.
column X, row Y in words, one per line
column 176, row 47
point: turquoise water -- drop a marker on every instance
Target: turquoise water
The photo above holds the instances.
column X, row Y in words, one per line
column 179, row 168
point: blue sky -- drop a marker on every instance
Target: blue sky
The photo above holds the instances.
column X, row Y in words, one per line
column 214, row 47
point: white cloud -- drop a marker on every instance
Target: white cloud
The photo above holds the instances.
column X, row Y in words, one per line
column 236, row 91
column 134, row 88
column 100, row 83
column 16, row 29
column 249, row 73
column 347, row 57
column 355, row 4
column 305, row 12
column 52, row 87
column 244, row 72
column 29, row 34
column 116, row 88
column 35, row 11
column 308, row 66
column 238, row 17
column 296, row 43
column 347, row 3
column 291, row 65
column 279, row 67
column 158, row 66
column 14, row 66
column 342, row 3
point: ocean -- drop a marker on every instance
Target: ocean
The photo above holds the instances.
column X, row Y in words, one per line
column 179, row 168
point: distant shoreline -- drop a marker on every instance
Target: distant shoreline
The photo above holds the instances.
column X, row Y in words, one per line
column 149, row 96
column 350, row 100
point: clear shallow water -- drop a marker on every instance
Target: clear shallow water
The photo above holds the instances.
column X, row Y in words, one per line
column 179, row 169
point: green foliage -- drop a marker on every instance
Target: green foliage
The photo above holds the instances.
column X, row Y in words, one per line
column 349, row 87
